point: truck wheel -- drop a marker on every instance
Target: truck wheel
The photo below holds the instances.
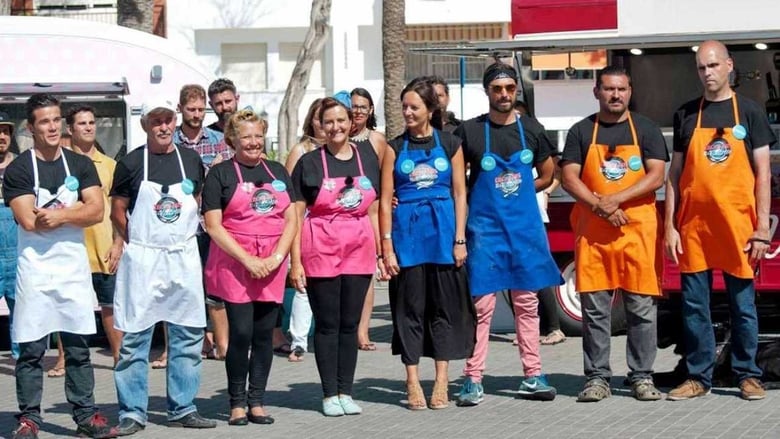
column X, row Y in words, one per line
column 570, row 308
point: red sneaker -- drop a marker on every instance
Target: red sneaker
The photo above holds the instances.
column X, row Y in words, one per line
column 97, row 427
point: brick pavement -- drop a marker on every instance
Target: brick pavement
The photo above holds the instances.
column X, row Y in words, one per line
column 293, row 398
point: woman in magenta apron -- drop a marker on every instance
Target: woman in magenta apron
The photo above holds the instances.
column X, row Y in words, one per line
column 247, row 205
column 423, row 243
column 334, row 256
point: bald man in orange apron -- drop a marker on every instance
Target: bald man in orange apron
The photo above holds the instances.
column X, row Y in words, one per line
column 717, row 218
column 612, row 163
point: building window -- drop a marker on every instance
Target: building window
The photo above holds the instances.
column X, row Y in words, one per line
column 245, row 64
column 448, row 67
column 288, row 56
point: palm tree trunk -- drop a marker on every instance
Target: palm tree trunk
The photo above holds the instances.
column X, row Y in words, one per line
column 135, row 14
column 394, row 63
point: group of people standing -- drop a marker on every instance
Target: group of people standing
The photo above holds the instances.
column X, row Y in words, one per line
column 446, row 211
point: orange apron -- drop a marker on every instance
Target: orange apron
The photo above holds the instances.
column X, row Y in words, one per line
column 609, row 257
column 717, row 212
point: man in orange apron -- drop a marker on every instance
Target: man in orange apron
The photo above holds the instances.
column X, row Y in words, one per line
column 717, row 218
column 612, row 163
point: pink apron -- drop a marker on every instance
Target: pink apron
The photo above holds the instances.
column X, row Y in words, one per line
column 337, row 237
column 254, row 217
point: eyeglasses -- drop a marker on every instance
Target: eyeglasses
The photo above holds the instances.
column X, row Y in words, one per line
column 510, row 88
column 360, row 109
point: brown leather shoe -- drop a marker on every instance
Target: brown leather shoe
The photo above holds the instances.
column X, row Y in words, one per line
column 689, row 389
column 752, row 389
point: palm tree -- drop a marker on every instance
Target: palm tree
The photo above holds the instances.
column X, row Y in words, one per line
column 5, row 7
column 394, row 63
column 135, row 14
column 296, row 89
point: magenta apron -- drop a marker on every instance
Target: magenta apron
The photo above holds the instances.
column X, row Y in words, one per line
column 254, row 217
column 336, row 236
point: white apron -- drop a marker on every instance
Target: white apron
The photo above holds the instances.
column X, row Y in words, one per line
column 53, row 279
column 160, row 275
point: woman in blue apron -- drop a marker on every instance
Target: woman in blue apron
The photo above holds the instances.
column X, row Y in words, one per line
column 423, row 243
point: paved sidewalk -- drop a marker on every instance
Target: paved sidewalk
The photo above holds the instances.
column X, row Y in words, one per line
column 294, row 393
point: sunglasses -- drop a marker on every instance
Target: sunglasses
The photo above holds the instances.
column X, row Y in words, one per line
column 510, row 88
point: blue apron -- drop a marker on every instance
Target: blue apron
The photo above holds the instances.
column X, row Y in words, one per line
column 424, row 221
column 507, row 242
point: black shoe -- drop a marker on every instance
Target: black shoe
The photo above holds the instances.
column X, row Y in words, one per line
column 97, row 428
column 128, row 426
column 266, row 420
column 239, row 421
column 193, row 420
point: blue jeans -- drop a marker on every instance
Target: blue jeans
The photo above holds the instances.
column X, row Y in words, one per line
column 699, row 335
column 182, row 375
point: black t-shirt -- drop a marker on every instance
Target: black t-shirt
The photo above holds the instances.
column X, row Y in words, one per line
column 580, row 137
column 449, row 142
column 504, row 141
column 721, row 115
column 19, row 178
column 215, row 126
column 307, row 175
column 163, row 169
column 222, row 181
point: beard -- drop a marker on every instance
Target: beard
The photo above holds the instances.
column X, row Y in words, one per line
column 225, row 116
column 194, row 124
column 502, row 106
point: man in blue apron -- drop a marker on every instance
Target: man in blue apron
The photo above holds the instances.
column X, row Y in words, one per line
column 155, row 209
column 7, row 229
column 506, row 239
column 54, row 194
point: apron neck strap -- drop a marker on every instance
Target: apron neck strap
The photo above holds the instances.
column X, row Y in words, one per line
column 436, row 141
column 35, row 166
column 631, row 127
column 146, row 163
column 325, row 172
column 733, row 106
column 241, row 178
column 520, row 131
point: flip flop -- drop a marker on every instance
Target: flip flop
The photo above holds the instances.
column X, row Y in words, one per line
column 296, row 356
column 56, row 372
column 370, row 346
column 160, row 364
column 283, row 349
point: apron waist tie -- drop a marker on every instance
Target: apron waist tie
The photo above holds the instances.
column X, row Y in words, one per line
column 170, row 248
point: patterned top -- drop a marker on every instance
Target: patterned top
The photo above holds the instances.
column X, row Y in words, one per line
column 208, row 145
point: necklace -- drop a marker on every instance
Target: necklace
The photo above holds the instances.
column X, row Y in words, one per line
column 361, row 136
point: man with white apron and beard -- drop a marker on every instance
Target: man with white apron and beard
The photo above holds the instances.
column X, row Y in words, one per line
column 54, row 194
column 155, row 209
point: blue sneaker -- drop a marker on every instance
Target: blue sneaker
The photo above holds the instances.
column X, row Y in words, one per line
column 536, row 388
column 471, row 393
column 332, row 407
column 349, row 406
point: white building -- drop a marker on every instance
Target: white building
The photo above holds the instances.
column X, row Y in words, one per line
column 256, row 42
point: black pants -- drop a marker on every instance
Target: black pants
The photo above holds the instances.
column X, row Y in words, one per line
column 79, row 377
column 336, row 303
column 548, row 310
column 251, row 325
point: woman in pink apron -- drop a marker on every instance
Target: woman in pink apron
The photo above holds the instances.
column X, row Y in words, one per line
column 334, row 256
column 247, row 206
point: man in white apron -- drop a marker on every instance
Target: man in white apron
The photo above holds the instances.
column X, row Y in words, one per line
column 155, row 209
column 54, row 194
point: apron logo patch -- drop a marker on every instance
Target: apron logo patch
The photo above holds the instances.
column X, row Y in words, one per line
column 718, row 150
column 263, row 201
column 423, row 176
column 168, row 209
column 508, row 182
column 350, row 198
column 613, row 168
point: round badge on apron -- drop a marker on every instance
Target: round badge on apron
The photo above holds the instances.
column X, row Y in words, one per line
column 634, row 163
column 278, row 185
column 407, row 166
column 526, row 156
column 364, row 183
column 187, row 186
column 739, row 132
column 441, row 164
column 488, row 163
column 71, row 183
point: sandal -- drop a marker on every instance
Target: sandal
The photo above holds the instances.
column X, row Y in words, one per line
column 370, row 346
column 439, row 398
column 645, row 390
column 415, row 397
column 56, row 372
column 595, row 390
column 553, row 338
column 296, row 356
column 161, row 362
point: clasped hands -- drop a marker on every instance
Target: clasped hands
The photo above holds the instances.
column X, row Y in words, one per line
column 259, row 268
column 608, row 207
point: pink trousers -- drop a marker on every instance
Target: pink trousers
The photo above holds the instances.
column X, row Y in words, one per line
column 526, row 305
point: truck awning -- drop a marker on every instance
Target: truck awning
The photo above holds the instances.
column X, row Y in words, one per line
column 584, row 41
column 118, row 88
